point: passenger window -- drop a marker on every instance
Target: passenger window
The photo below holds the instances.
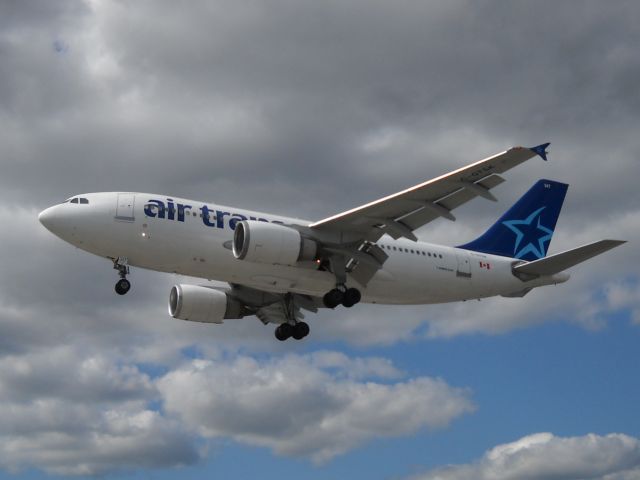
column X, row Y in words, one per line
column 440, row 255
column 394, row 248
column 74, row 200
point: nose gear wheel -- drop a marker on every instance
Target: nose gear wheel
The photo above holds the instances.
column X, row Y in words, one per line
column 123, row 285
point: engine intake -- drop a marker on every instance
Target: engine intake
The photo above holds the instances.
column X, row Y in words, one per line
column 271, row 243
column 196, row 303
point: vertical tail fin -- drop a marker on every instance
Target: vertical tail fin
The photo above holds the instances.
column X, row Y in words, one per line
column 526, row 229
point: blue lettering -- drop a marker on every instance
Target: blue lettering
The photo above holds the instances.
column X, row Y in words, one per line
column 220, row 217
column 171, row 209
column 181, row 210
column 205, row 216
column 236, row 218
column 151, row 207
column 210, row 217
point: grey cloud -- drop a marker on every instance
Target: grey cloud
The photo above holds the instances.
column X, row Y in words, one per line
column 307, row 109
column 299, row 86
column 544, row 456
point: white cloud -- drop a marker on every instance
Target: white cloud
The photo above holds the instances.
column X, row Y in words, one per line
column 624, row 295
column 306, row 406
column 544, row 456
column 69, row 410
column 73, row 413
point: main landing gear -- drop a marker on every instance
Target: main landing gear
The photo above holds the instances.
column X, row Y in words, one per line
column 292, row 326
column 348, row 297
column 297, row 331
column 123, row 285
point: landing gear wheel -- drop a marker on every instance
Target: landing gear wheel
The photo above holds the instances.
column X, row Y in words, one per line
column 333, row 298
column 284, row 331
column 351, row 297
column 123, row 286
column 300, row 330
column 121, row 265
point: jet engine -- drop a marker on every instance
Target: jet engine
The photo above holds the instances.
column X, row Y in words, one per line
column 271, row 243
column 203, row 304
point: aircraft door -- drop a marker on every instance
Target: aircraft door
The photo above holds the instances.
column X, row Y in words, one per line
column 464, row 267
column 124, row 207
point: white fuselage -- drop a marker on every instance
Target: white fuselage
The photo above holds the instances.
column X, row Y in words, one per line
column 188, row 241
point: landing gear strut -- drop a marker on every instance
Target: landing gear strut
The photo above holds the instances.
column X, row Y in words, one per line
column 292, row 327
column 123, row 285
column 348, row 297
column 297, row 331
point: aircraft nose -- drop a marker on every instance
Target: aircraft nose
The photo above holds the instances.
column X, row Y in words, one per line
column 47, row 217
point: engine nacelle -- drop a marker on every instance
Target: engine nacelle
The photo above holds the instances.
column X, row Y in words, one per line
column 202, row 304
column 271, row 243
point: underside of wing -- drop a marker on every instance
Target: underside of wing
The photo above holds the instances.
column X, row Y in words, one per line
column 274, row 307
column 398, row 215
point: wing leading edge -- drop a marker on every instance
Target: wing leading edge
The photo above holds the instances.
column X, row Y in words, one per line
column 401, row 213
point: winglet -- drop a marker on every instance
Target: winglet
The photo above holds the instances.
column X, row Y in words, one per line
column 541, row 150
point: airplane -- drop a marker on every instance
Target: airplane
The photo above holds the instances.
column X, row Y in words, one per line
column 275, row 266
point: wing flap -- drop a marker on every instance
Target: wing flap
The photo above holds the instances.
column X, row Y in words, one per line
column 418, row 218
column 564, row 260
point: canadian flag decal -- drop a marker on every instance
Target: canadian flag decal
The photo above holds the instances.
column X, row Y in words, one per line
column 485, row 265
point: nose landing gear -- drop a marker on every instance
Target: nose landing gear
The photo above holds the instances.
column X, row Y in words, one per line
column 123, row 285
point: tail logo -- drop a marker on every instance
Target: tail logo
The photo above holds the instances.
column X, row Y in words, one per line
column 531, row 236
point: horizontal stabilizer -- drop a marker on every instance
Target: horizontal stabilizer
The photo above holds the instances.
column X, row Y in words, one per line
column 561, row 261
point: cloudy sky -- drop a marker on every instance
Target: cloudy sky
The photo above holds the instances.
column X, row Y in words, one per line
column 308, row 108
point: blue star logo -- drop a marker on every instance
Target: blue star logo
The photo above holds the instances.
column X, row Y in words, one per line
column 530, row 235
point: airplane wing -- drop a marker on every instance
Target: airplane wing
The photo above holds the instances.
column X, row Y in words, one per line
column 401, row 213
column 278, row 313
column 273, row 307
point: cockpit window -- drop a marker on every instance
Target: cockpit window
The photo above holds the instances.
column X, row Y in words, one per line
column 82, row 200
